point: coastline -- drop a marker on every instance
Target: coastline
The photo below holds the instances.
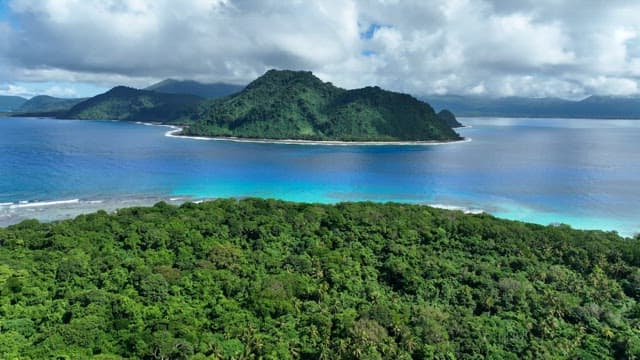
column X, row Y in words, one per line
column 176, row 129
column 46, row 211
column 50, row 210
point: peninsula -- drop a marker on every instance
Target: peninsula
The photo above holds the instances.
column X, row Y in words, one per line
column 280, row 105
column 297, row 105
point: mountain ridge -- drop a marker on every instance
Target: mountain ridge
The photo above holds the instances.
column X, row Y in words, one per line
column 281, row 104
column 126, row 103
column 285, row 104
column 47, row 103
column 192, row 87
column 595, row 106
column 11, row 103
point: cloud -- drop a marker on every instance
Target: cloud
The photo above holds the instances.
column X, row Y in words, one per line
column 14, row 90
column 161, row 38
column 567, row 48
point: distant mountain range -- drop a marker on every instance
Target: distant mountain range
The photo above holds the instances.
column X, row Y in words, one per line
column 607, row 107
column 592, row 107
column 190, row 87
column 284, row 104
column 278, row 105
column 48, row 103
column 44, row 105
column 10, row 103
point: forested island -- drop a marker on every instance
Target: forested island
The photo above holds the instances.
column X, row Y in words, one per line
column 268, row 279
column 191, row 87
column 284, row 104
column 281, row 104
column 125, row 103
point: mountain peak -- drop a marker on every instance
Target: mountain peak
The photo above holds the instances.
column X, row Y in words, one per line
column 192, row 87
column 288, row 77
column 286, row 104
column 122, row 88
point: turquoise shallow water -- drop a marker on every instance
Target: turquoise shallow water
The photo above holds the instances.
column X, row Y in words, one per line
column 585, row 173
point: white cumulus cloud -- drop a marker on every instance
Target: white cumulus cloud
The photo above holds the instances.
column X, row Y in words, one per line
column 569, row 48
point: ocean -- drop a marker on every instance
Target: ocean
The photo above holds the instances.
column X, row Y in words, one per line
column 585, row 173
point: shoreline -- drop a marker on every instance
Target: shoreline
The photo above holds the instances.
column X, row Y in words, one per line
column 46, row 211
column 50, row 210
column 176, row 129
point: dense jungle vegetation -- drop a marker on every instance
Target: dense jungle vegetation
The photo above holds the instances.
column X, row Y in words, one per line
column 266, row 279
column 285, row 104
column 125, row 103
column 281, row 104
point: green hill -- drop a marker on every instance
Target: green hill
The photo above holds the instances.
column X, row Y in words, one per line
column 10, row 103
column 124, row 103
column 297, row 105
column 48, row 103
column 265, row 279
column 190, row 87
column 278, row 105
column 449, row 118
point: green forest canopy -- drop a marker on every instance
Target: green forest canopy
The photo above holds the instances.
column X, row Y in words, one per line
column 277, row 280
column 284, row 104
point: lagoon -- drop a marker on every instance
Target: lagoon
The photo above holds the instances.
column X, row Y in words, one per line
column 585, row 173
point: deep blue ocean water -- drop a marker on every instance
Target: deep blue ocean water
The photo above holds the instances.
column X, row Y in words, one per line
column 585, row 173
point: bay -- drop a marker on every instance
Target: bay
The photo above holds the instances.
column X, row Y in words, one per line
column 585, row 173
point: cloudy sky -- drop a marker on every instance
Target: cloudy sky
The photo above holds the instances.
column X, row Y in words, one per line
column 565, row 48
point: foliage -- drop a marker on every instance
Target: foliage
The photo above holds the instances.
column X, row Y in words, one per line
column 278, row 105
column 209, row 91
column 123, row 103
column 275, row 280
column 298, row 105
column 449, row 118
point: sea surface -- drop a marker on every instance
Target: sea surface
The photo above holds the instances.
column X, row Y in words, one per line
column 585, row 173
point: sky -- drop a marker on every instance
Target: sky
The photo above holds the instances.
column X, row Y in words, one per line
column 533, row 48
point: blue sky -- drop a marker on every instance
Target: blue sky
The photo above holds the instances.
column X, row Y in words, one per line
column 5, row 13
column 4, row 9
column 570, row 48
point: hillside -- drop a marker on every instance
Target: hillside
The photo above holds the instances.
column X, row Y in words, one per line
column 124, row 103
column 46, row 103
column 190, row 87
column 449, row 118
column 274, row 280
column 10, row 103
column 608, row 107
column 297, row 105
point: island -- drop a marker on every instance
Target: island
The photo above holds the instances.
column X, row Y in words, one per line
column 129, row 104
column 284, row 104
column 191, row 87
column 449, row 118
column 280, row 105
